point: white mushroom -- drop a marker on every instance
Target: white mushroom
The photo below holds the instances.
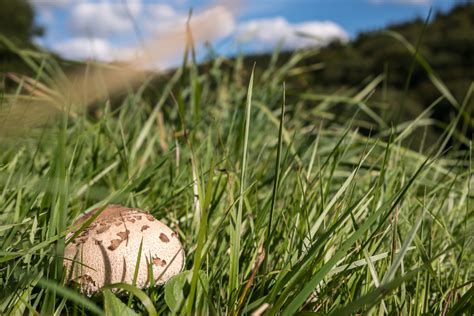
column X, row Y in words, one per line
column 106, row 252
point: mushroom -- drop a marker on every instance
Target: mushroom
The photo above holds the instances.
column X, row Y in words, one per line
column 107, row 250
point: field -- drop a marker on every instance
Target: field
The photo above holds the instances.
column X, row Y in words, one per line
column 281, row 210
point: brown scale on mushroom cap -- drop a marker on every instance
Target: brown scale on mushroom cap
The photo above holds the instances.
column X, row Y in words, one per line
column 164, row 238
column 108, row 249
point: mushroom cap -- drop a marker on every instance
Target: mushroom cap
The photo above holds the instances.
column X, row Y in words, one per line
column 106, row 252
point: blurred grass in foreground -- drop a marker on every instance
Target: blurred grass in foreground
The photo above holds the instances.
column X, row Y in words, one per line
column 358, row 223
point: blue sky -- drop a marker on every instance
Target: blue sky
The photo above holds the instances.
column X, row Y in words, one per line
column 115, row 29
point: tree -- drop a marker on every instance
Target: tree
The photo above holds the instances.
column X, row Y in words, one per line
column 17, row 22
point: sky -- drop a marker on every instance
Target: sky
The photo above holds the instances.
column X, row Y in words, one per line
column 109, row 30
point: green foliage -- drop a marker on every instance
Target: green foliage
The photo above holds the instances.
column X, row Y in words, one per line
column 115, row 307
column 18, row 28
column 177, row 290
column 17, row 21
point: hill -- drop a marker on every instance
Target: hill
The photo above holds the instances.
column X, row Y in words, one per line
column 446, row 61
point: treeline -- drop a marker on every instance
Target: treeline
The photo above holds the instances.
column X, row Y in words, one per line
column 17, row 25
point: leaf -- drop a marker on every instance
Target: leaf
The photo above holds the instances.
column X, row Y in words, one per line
column 146, row 301
column 177, row 289
column 114, row 307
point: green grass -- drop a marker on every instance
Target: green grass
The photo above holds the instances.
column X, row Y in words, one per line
column 279, row 206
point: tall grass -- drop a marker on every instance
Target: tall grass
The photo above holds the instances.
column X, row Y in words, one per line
column 281, row 209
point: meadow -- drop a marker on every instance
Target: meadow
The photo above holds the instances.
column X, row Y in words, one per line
column 281, row 209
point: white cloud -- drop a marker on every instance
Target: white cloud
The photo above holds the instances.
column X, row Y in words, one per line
column 162, row 18
column 104, row 18
column 163, row 12
column 414, row 2
column 213, row 23
column 166, row 28
column 162, row 26
column 268, row 32
column 103, row 29
column 91, row 48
